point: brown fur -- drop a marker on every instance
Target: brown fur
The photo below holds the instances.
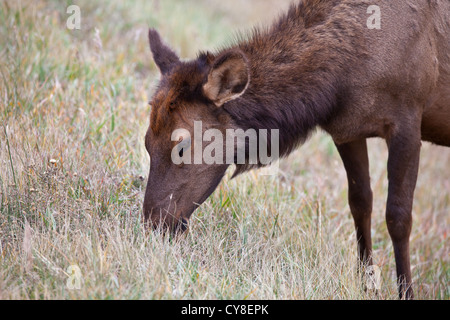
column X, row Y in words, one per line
column 317, row 66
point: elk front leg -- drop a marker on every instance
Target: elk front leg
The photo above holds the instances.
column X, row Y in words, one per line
column 356, row 163
column 403, row 165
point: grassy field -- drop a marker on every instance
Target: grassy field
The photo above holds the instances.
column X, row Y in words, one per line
column 73, row 114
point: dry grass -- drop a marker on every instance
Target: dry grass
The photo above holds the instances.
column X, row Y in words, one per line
column 73, row 113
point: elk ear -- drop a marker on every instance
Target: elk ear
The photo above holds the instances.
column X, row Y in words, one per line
column 164, row 57
column 228, row 77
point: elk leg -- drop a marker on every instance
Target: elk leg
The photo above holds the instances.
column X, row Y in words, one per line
column 356, row 163
column 403, row 164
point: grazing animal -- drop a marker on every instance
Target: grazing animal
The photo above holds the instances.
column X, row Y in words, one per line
column 318, row 65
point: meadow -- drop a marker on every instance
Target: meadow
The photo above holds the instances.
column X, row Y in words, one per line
column 73, row 115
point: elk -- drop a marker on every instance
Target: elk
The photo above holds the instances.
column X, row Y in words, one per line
column 317, row 66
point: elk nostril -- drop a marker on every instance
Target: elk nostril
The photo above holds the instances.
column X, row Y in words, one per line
column 184, row 225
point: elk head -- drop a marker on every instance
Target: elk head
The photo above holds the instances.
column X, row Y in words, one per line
column 189, row 93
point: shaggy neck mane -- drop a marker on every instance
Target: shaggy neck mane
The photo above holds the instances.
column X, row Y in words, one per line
column 297, row 68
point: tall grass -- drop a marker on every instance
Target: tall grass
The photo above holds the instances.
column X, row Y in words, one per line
column 73, row 114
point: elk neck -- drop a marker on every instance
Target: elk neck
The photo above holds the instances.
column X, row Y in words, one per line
column 296, row 78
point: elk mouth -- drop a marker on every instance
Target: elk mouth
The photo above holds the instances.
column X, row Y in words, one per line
column 177, row 228
column 168, row 223
column 183, row 225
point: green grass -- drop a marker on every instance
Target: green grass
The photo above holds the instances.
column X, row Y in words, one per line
column 73, row 114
